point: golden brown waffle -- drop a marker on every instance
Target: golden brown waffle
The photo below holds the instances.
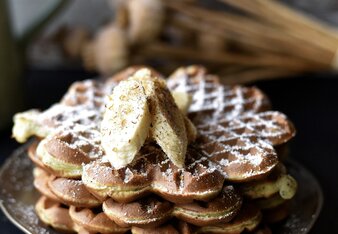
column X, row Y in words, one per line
column 63, row 190
column 52, row 213
column 153, row 211
column 247, row 220
column 72, row 192
column 80, row 220
column 41, row 178
column 243, row 131
column 212, row 101
column 84, row 220
column 146, row 212
column 95, row 222
column 236, row 142
column 76, row 142
column 243, row 147
column 34, row 156
column 240, row 150
column 153, row 172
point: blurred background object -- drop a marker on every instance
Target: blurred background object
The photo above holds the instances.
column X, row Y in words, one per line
column 242, row 41
column 13, row 57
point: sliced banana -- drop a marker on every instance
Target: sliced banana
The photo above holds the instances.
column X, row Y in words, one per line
column 126, row 123
column 26, row 125
column 190, row 129
column 168, row 125
column 285, row 185
column 182, row 100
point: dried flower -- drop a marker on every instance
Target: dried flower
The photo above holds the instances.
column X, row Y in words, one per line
column 111, row 49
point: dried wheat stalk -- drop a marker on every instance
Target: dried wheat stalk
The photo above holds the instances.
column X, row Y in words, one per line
column 269, row 40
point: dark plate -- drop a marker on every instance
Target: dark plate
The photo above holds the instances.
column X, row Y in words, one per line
column 18, row 196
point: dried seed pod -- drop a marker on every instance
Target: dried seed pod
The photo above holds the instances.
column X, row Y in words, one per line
column 145, row 20
column 74, row 41
column 119, row 7
column 111, row 49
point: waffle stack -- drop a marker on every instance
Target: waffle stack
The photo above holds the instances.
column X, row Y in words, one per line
column 233, row 179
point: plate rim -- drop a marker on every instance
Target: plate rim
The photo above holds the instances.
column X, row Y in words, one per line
column 320, row 191
column 9, row 160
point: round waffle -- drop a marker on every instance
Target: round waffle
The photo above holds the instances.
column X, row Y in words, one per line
column 153, row 172
column 236, row 149
column 84, row 220
column 236, row 144
column 212, row 101
column 72, row 192
column 53, row 214
column 95, row 222
column 41, row 178
column 152, row 211
column 63, row 190
column 247, row 220
column 36, row 159
column 247, row 147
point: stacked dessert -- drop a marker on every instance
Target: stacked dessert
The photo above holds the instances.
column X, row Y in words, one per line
column 143, row 154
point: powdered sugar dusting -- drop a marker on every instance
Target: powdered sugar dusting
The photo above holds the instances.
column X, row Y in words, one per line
column 212, row 101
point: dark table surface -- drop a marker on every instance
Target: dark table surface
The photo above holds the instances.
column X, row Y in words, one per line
column 309, row 101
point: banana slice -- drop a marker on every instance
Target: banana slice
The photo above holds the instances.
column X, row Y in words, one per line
column 126, row 123
column 190, row 129
column 168, row 126
column 182, row 100
column 26, row 125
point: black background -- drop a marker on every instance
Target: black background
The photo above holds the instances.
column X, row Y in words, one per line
column 310, row 101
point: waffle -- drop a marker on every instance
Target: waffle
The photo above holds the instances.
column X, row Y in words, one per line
column 152, row 172
column 211, row 101
column 85, row 220
column 41, row 178
column 247, row 220
column 146, row 212
column 151, row 212
column 220, row 150
column 256, row 155
column 72, row 219
column 94, row 221
column 52, row 213
column 36, row 159
column 232, row 153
